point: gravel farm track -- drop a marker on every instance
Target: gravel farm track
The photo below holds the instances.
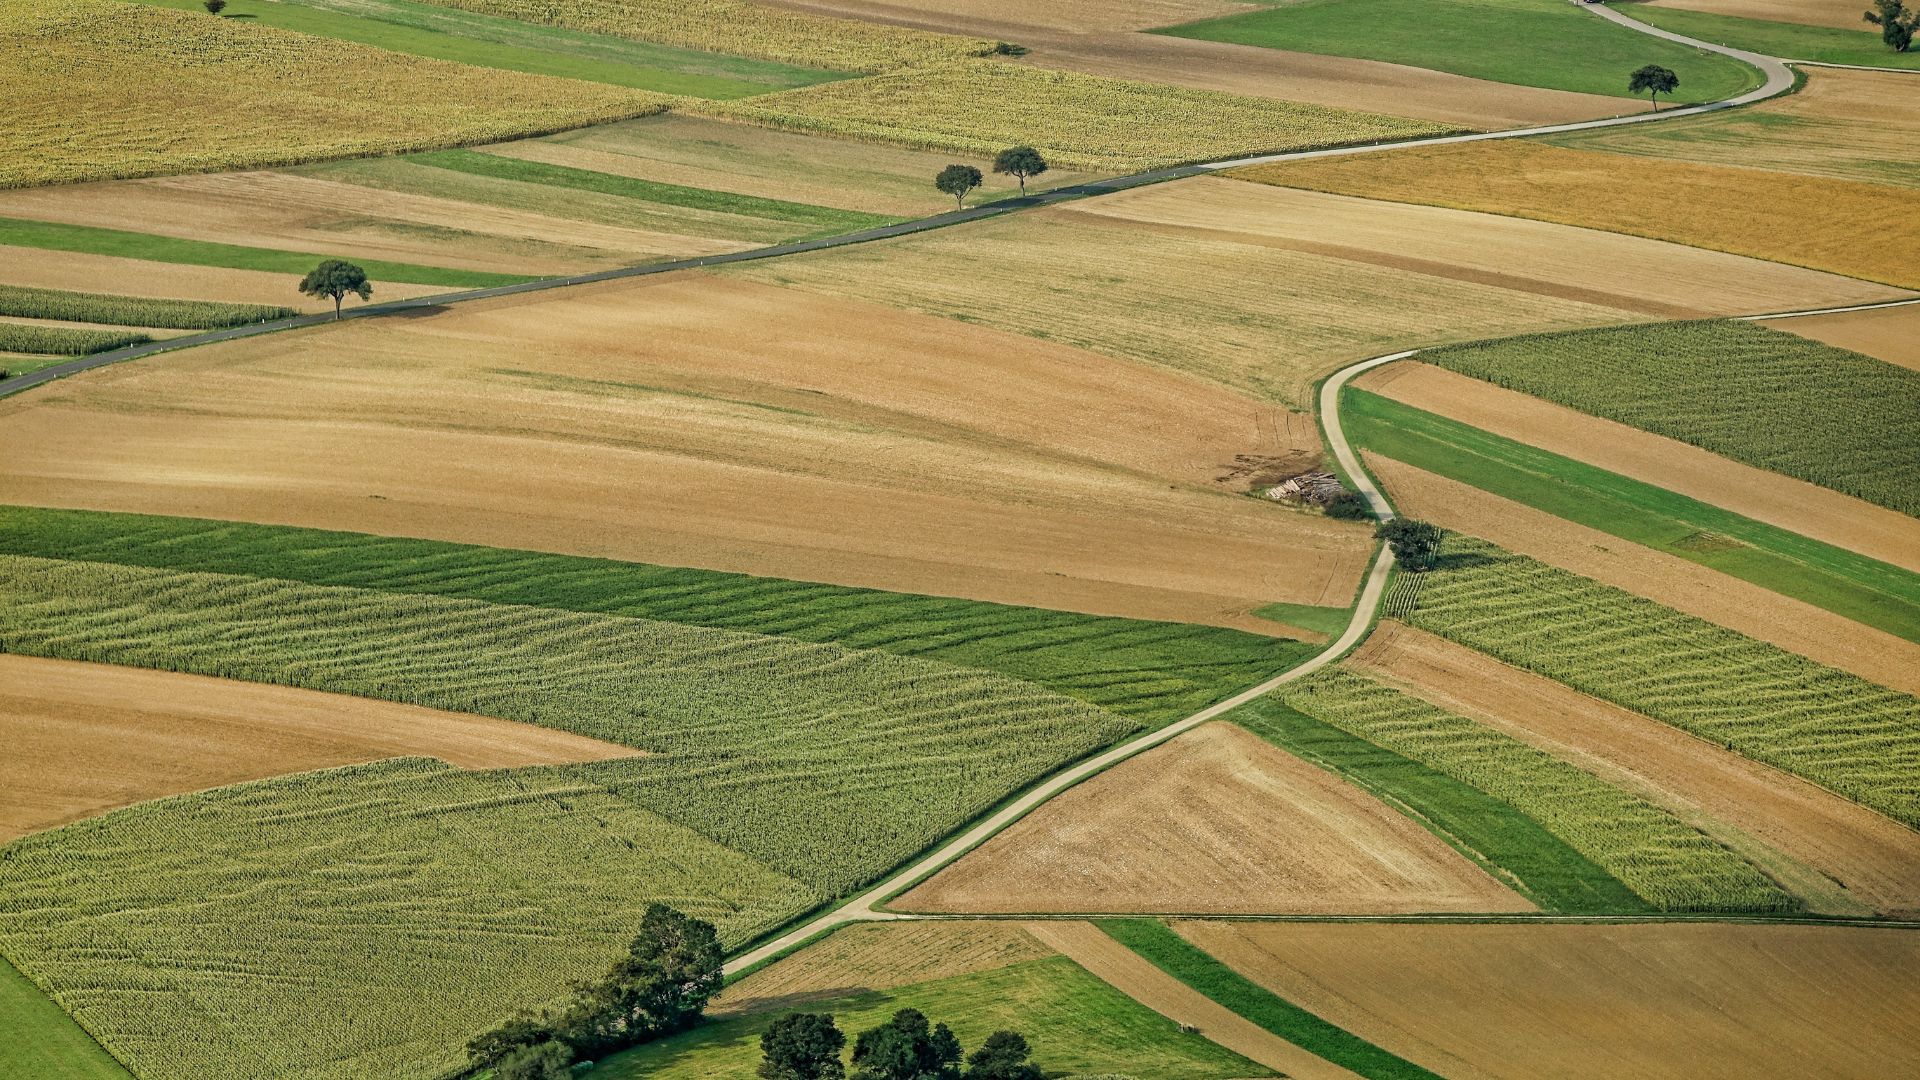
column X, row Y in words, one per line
column 868, row 906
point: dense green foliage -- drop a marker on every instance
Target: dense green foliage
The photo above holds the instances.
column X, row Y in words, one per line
column 31, row 303
column 1670, row 864
column 1844, row 582
column 1153, row 671
column 64, row 340
column 41, row 1042
column 1827, row 726
column 1177, row 957
column 1828, row 45
column 1511, row 845
column 1528, row 42
column 1771, row 399
column 802, row 1046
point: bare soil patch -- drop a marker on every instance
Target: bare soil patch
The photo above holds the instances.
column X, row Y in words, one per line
column 880, row 956
column 1808, row 509
column 1890, row 334
column 1677, row 1001
column 1840, row 14
column 1217, row 821
column 84, row 738
column 1838, row 856
column 1686, row 586
column 78, row 272
column 658, row 421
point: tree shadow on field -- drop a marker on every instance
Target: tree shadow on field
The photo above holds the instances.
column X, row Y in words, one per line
column 424, row 311
column 1462, row 560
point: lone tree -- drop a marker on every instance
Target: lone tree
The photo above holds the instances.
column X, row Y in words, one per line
column 957, row 180
column 214, row 7
column 1415, row 544
column 334, row 279
column 903, row 1049
column 1023, row 162
column 1895, row 21
column 802, row 1046
column 1655, row 80
column 1002, row 1057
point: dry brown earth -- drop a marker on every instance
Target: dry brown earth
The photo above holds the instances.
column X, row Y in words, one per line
column 79, row 272
column 1217, row 821
column 1795, row 505
column 1678, row 583
column 880, row 956
column 1841, row 14
column 1891, row 334
column 1837, row 855
column 84, row 738
column 658, row 421
column 1677, row 1001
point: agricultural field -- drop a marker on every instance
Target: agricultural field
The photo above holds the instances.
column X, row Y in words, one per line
column 1666, row 1001
column 1818, row 31
column 1527, row 42
column 1836, row 14
column 1890, row 334
column 1844, row 226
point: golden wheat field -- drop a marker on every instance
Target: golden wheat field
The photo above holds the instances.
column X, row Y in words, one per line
column 97, row 90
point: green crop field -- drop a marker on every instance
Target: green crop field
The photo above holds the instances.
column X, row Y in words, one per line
column 64, row 340
column 1077, row 1025
column 1770, row 399
column 1172, row 954
column 23, row 302
column 1528, row 42
column 1793, row 41
column 1670, row 864
column 1508, row 843
column 1837, row 730
column 40, row 1042
column 1155, row 672
column 1843, row 582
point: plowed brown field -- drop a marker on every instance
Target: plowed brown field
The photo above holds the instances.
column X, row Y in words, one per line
column 1810, row 510
column 659, row 421
column 78, row 272
column 1686, row 586
column 1838, row 856
column 84, row 738
column 1892, row 334
column 1653, row 1002
column 1217, row 821
column 880, row 956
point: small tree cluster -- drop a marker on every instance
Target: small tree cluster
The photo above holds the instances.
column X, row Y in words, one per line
column 1415, row 544
column 1896, row 22
column 1023, row 163
column 1349, row 506
column 671, row 970
column 806, row 1046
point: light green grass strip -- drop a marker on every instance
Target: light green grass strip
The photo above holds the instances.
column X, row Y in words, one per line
column 1179, row 958
column 30, row 303
column 39, row 1041
column 64, row 340
column 54, row 236
column 1315, row 617
column 1545, row 43
column 1865, row 590
column 1792, row 41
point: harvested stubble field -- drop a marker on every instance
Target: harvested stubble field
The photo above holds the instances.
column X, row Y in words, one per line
column 1890, row 334
column 1845, row 226
column 1839, row 14
column 84, row 738
column 1669, row 863
column 1836, row 856
column 106, row 90
column 1192, row 827
column 1675, row 1001
column 82, row 272
column 1835, row 729
column 880, row 956
column 1139, row 276
column 654, row 421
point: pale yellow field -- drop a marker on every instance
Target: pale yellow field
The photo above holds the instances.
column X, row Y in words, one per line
column 79, row 272
column 98, row 90
column 1840, row 14
column 1891, row 334
column 1844, row 226
column 1265, row 290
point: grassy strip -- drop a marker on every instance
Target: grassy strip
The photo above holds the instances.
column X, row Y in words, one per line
column 1174, row 955
column 1148, row 670
column 55, row 236
column 64, row 340
column 825, row 218
column 1765, row 397
column 38, row 1041
column 24, row 302
column 1321, row 620
column 1508, row 843
column 1525, row 42
column 1843, row 582
column 11, row 366
column 1794, row 41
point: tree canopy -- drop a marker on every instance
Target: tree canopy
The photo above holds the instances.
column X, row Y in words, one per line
column 1021, row 162
column 1416, row 544
column 1002, row 1057
column 1896, row 22
column 802, row 1046
column 1653, row 80
column 333, row 280
column 957, row 180
column 904, row 1049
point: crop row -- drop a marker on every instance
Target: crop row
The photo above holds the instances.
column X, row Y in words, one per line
column 1833, row 728
column 1764, row 397
column 18, row 300
column 64, row 340
column 1666, row 862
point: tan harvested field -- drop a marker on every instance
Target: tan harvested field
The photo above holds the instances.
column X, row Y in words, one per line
column 1218, row 821
column 881, row 956
column 1265, row 290
column 1836, row 855
column 80, row 272
column 1135, row 976
column 1840, row 14
column 1847, row 227
column 655, row 420
column 1891, row 334
column 1673, row 1001
column 84, row 738
column 1795, row 505
column 1678, row 583
column 1100, row 39
column 1850, row 125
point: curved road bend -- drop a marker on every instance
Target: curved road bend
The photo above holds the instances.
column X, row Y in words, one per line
column 1779, row 79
